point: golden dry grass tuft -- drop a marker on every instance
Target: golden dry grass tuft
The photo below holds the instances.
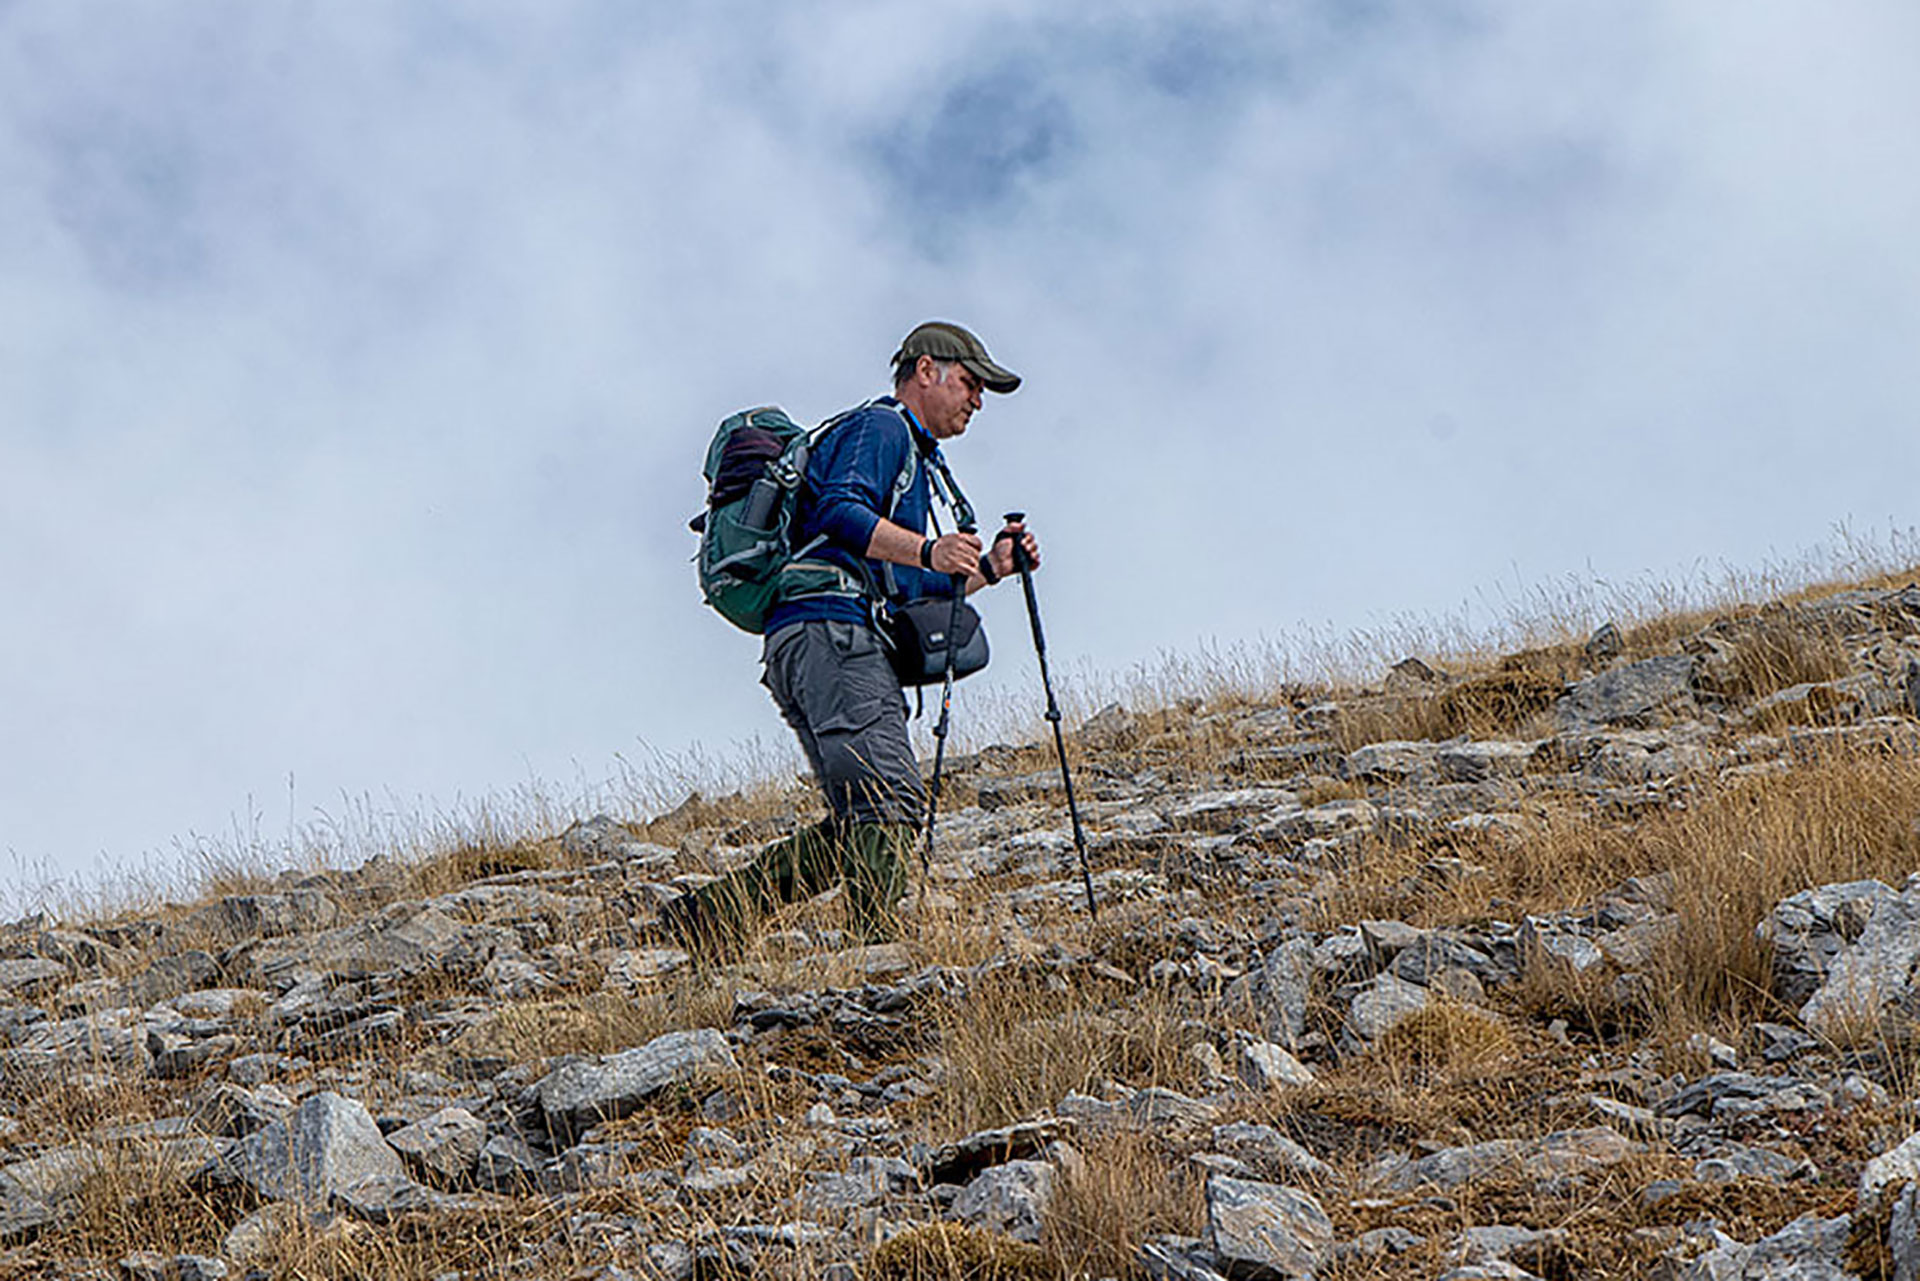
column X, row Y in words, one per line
column 601, row 1022
column 956, row 1252
column 138, row 1197
column 1021, row 1041
column 1126, row 1189
column 1773, row 651
column 1447, row 1038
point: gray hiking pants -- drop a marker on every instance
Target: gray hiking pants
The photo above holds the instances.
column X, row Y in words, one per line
column 833, row 685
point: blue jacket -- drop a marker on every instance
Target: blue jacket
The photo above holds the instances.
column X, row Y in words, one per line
column 849, row 487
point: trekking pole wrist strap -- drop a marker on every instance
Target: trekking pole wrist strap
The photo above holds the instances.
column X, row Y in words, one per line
column 926, row 552
column 987, row 571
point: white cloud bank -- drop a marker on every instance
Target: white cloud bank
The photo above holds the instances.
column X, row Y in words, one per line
column 357, row 359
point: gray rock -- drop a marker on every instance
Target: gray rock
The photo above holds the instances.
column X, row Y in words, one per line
column 580, row 1095
column 1629, row 695
column 1872, row 976
column 256, row 1238
column 327, row 1143
column 1010, row 1199
column 1268, row 1150
column 1903, row 1234
column 959, row 1162
column 1265, row 1231
column 506, row 1164
column 383, row 1198
column 1891, row 1169
column 1483, row 761
column 25, row 980
column 1176, row 1258
column 1384, row 1004
column 868, row 1181
column 1808, row 1249
column 1391, row 762
column 443, row 1147
column 1265, row 1066
column 1565, row 1152
column 42, row 1191
column 1279, row 991
column 1806, row 931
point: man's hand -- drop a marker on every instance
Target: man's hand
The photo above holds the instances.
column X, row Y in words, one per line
column 956, row 554
column 1004, row 543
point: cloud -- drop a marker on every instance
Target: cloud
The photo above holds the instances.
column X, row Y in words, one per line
column 359, row 363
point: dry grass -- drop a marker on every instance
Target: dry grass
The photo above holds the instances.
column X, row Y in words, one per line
column 1447, row 1039
column 1126, row 1189
column 955, row 1252
column 597, row 1022
column 1027, row 1032
column 1021, row 1041
column 140, row 1198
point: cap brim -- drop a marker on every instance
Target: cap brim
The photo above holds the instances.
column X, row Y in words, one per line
column 993, row 377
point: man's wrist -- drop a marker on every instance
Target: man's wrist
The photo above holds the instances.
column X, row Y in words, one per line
column 926, row 553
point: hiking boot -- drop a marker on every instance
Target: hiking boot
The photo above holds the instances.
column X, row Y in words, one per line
column 874, row 863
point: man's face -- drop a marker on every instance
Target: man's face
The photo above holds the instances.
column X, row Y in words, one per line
column 948, row 403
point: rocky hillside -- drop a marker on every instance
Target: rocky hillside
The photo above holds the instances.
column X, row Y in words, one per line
column 1593, row 962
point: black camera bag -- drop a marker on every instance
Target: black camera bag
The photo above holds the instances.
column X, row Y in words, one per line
column 919, row 641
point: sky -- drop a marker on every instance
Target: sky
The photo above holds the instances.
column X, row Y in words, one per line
column 357, row 360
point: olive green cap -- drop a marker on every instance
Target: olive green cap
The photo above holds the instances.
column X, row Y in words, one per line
column 944, row 340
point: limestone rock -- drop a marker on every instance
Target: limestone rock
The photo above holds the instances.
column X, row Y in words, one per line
column 1010, row 1199
column 1265, row 1066
column 443, row 1147
column 327, row 1143
column 1566, row 1152
column 580, row 1095
column 1808, row 930
column 1265, row 1231
column 1631, row 695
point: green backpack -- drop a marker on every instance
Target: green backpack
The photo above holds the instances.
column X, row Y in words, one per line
column 747, row 562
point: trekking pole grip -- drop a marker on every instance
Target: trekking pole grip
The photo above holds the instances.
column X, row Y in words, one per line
column 1020, row 561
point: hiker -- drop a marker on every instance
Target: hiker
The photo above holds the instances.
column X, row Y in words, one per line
column 867, row 495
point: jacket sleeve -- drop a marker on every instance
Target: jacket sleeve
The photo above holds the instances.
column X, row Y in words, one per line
column 852, row 473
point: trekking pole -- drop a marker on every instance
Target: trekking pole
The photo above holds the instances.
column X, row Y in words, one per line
column 1025, row 566
column 946, row 710
column 963, row 521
